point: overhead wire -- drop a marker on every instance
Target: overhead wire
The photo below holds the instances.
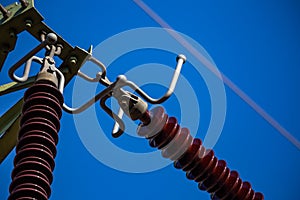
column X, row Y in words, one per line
column 226, row 80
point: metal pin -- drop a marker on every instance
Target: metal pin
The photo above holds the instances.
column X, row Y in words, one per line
column 73, row 61
column 4, row 11
column 24, row 3
column 28, row 23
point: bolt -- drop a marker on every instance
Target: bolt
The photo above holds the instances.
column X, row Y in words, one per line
column 24, row 3
column 51, row 61
column 28, row 23
column 51, row 38
column 181, row 57
column 73, row 61
column 12, row 34
column 124, row 103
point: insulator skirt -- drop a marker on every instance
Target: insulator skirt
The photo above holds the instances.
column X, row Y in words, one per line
column 199, row 163
column 37, row 140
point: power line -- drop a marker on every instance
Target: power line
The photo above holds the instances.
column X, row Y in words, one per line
column 264, row 114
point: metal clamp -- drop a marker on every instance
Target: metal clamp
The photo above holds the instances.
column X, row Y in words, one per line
column 48, row 63
column 130, row 104
column 122, row 81
column 29, row 57
column 27, row 69
column 100, row 76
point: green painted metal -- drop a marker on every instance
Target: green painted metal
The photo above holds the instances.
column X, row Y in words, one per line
column 67, row 68
column 14, row 86
column 9, row 126
column 7, row 86
column 16, row 23
column 30, row 20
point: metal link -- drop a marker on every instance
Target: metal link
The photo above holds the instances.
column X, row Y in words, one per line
column 47, row 63
column 90, row 102
column 27, row 69
column 50, row 39
column 115, row 90
column 99, row 75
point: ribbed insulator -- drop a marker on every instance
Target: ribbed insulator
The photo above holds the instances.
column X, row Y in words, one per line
column 37, row 140
column 200, row 164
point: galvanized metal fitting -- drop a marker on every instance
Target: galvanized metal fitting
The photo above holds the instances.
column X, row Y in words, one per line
column 133, row 106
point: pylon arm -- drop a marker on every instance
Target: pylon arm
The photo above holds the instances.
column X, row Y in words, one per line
column 9, row 126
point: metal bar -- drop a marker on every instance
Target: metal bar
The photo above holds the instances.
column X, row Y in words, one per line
column 115, row 117
column 24, row 59
column 17, row 23
column 10, row 116
column 4, row 11
column 73, row 59
column 180, row 61
column 9, row 126
column 9, row 140
column 14, row 86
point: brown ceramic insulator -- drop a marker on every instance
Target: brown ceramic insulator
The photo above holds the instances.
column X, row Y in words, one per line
column 37, row 140
column 145, row 118
column 200, row 164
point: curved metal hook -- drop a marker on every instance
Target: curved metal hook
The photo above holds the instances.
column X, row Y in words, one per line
column 27, row 68
column 99, row 75
column 121, row 125
column 90, row 102
column 28, row 58
column 50, row 39
column 122, row 80
column 61, row 83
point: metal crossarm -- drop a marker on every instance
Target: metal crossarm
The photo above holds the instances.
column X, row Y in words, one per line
column 26, row 18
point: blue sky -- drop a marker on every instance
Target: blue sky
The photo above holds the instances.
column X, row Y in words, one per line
column 255, row 43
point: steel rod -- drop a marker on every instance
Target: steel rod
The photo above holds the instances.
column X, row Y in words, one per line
column 4, row 11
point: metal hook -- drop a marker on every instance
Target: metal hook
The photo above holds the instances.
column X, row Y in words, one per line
column 61, row 83
column 121, row 126
column 124, row 82
column 90, row 102
column 116, row 127
column 27, row 69
column 99, row 75
column 51, row 39
column 115, row 89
